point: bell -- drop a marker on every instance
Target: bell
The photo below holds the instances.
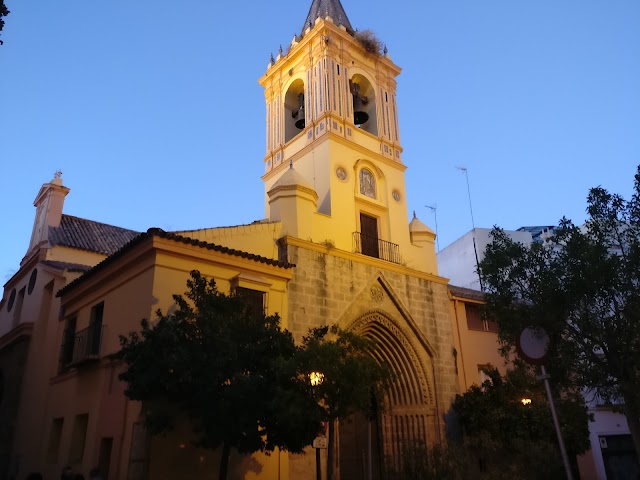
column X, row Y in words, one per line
column 359, row 115
column 299, row 115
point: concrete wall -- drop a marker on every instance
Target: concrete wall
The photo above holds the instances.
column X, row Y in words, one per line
column 457, row 261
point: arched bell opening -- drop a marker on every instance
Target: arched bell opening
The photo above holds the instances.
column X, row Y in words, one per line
column 364, row 104
column 404, row 417
column 294, row 111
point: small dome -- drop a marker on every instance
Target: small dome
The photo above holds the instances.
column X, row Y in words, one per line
column 417, row 226
column 290, row 178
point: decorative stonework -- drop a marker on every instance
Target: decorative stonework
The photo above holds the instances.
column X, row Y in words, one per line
column 425, row 393
column 377, row 295
column 341, row 173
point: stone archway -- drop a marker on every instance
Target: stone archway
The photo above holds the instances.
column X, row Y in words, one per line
column 408, row 417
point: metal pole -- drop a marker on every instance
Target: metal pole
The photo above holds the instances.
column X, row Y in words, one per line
column 318, row 468
column 370, row 463
column 565, row 459
column 434, row 209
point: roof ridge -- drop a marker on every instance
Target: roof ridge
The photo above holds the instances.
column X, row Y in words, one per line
column 96, row 221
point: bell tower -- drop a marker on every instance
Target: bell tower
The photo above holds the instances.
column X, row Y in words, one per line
column 331, row 114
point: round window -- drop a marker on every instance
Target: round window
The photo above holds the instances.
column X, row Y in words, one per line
column 32, row 280
column 12, row 299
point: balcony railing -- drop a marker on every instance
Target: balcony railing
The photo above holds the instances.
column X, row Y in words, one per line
column 84, row 346
column 374, row 247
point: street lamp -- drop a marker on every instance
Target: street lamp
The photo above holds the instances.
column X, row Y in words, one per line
column 316, row 379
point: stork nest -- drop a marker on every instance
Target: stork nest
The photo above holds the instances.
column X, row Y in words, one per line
column 369, row 41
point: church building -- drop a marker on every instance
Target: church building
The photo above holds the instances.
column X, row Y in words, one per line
column 336, row 246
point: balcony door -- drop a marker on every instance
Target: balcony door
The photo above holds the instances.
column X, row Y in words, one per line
column 369, row 234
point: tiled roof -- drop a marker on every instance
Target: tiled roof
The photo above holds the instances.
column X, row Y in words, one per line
column 466, row 293
column 327, row 8
column 158, row 232
column 89, row 235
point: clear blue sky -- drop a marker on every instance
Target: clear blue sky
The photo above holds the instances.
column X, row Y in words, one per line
column 153, row 112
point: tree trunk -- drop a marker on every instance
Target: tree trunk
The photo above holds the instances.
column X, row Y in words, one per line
column 224, row 461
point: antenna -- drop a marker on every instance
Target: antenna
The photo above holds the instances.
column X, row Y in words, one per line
column 473, row 224
column 434, row 210
column 466, row 174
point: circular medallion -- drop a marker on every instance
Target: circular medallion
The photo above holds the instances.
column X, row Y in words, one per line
column 341, row 173
column 376, row 293
column 396, row 195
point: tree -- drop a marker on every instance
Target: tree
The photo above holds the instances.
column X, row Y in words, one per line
column 226, row 366
column 517, row 439
column 352, row 380
column 4, row 11
column 583, row 288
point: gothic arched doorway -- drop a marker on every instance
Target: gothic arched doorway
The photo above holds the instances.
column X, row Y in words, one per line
column 408, row 415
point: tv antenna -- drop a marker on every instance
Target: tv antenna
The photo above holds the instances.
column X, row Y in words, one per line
column 434, row 210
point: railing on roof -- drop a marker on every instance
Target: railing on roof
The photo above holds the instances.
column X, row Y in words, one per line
column 374, row 247
column 81, row 347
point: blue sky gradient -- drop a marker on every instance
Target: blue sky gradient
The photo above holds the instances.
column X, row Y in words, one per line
column 153, row 112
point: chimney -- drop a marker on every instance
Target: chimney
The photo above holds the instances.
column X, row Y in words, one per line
column 48, row 203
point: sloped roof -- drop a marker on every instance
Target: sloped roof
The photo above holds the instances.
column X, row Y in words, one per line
column 88, row 235
column 469, row 293
column 158, row 232
column 324, row 8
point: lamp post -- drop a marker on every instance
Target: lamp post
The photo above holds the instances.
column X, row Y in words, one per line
column 316, row 379
column 533, row 347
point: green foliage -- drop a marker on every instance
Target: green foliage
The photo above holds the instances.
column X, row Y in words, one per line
column 509, row 437
column 226, row 366
column 352, row 377
column 239, row 378
column 4, row 11
column 583, row 288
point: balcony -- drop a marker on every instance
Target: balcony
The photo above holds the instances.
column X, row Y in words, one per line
column 374, row 247
column 81, row 347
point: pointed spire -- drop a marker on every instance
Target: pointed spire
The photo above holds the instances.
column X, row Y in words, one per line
column 327, row 8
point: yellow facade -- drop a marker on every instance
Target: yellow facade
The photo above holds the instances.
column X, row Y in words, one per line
column 336, row 247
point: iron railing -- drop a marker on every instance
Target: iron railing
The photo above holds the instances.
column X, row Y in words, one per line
column 81, row 347
column 374, row 247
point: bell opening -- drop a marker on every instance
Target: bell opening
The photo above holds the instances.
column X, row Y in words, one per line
column 299, row 114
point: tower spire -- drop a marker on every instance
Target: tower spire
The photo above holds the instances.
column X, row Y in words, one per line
column 324, row 8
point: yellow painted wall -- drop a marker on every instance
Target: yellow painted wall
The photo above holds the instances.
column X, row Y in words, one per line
column 474, row 347
column 134, row 287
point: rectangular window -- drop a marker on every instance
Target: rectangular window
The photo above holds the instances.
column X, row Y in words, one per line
column 68, row 343
column 253, row 299
column 78, row 438
column 54, row 440
column 104, row 461
column 474, row 317
column 95, row 329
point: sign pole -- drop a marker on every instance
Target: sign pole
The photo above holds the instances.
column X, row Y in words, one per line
column 552, row 406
